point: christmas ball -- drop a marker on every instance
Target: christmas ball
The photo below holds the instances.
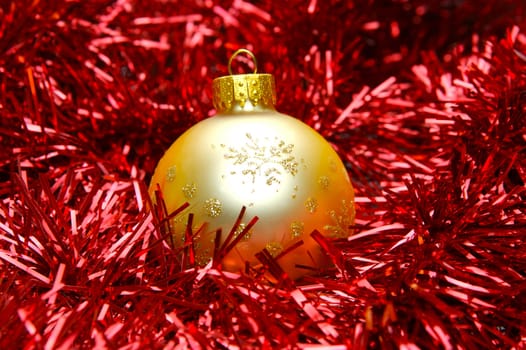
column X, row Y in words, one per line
column 249, row 155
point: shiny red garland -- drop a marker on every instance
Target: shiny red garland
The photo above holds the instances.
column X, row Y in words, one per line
column 424, row 100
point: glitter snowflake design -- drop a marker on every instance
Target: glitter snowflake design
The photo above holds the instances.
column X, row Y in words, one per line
column 341, row 220
column 271, row 159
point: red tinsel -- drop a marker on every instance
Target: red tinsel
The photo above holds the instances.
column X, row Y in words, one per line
column 424, row 100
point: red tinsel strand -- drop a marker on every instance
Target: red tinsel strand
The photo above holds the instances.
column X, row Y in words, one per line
column 424, row 102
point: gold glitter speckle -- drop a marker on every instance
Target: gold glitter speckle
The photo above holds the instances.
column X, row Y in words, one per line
column 240, row 229
column 274, row 248
column 323, row 181
column 202, row 260
column 311, row 204
column 296, row 229
column 290, row 165
column 189, row 190
column 213, row 207
column 203, row 257
column 341, row 221
column 170, row 174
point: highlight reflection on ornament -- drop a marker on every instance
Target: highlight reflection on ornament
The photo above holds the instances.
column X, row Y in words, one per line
column 249, row 155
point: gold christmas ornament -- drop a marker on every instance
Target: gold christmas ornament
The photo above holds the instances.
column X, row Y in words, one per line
column 249, row 155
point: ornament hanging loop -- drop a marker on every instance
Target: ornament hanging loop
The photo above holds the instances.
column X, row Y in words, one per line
column 245, row 51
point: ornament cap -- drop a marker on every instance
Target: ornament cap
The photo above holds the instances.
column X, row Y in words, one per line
column 244, row 92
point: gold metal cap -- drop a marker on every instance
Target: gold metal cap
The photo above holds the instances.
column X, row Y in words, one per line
column 244, row 91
